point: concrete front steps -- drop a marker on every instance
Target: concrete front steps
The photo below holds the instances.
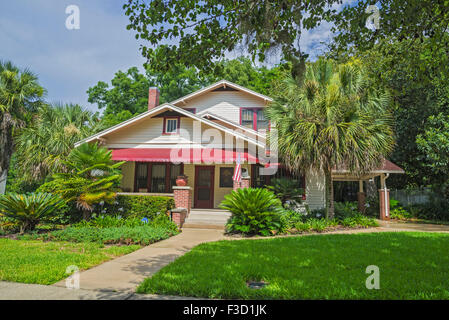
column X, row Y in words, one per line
column 207, row 219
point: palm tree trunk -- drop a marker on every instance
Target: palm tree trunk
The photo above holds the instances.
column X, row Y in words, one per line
column 3, row 178
column 6, row 147
column 329, row 193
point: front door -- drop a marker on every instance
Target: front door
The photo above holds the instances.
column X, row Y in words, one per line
column 204, row 187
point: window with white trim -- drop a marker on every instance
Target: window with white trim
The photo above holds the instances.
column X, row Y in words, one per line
column 254, row 118
column 171, row 125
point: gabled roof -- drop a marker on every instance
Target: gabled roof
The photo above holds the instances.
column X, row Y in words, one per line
column 168, row 106
column 219, row 84
column 208, row 114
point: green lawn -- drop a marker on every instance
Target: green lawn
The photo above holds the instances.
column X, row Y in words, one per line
column 46, row 262
column 412, row 265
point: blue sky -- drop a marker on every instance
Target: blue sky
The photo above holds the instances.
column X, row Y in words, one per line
column 68, row 62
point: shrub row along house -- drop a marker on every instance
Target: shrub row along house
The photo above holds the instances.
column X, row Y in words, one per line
column 202, row 136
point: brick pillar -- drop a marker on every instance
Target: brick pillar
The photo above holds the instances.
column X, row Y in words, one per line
column 179, row 216
column 361, row 196
column 183, row 198
column 244, row 183
column 384, row 214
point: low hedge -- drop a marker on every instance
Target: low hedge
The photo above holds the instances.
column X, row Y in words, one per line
column 143, row 235
column 137, row 206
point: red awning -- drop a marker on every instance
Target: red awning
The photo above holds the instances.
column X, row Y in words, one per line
column 185, row 155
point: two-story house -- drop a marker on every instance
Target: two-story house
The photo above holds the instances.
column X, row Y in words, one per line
column 203, row 135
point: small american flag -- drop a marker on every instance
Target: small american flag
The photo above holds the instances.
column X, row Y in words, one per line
column 238, row 170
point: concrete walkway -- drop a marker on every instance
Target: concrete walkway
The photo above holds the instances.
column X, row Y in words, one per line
column 23, row 291
column 410, row 226
column 125, row 273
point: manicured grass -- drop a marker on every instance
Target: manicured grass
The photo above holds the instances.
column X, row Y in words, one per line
column 412, row 265
column 143, row 235
column 46, row 262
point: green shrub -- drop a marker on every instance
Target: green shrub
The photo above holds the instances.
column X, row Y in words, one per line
column 30, row 209
column 286, row 190
column 400, row 213
column 254, row 211
column 437, row 208
column 359, row 220
column 318, row 225
column 290, row 217
column 104, row 221
column 346, row 209
column 303, row 226
column 137, row 206
column 142, row 235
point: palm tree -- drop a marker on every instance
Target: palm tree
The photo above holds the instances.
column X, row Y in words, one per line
column 42, row 147
column 20, row 95
column 92, row 177
column 331, row 119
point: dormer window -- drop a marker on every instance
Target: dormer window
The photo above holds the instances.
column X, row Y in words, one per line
column 253, row 118
column 171, row 125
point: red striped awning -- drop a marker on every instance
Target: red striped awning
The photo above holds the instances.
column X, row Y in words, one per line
column 185, row 155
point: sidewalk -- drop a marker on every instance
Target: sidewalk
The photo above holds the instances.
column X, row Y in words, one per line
column 125, row 273
column 23, row 291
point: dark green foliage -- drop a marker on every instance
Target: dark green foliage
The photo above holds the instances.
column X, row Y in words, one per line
column 436, row 209
column 137, row 206
column 358, row 220
column 20, row 96
column 30, row 209
column 420, row 22
column 305, row 224
column 143, row 235
column 43, row 146
column 400, row 213
column 104, row 221
column 92, row 177
column 418, row 85
column 128, row 94
column 332, row 119
column 345, row 209
column 208, row 31
column 434, row 144
column 254, row 211
column 286, row 189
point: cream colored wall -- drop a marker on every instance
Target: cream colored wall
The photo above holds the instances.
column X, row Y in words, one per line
column 224, row 103
column 219, row 193
column 148, row 133
column 315, row 192
column 128, row 176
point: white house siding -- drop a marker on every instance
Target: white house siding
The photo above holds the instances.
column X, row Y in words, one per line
column 147, row 133
column 315, row 191
column 225, row 104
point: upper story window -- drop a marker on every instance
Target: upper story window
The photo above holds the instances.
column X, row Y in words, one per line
column 171, row 125
column 254, row 118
